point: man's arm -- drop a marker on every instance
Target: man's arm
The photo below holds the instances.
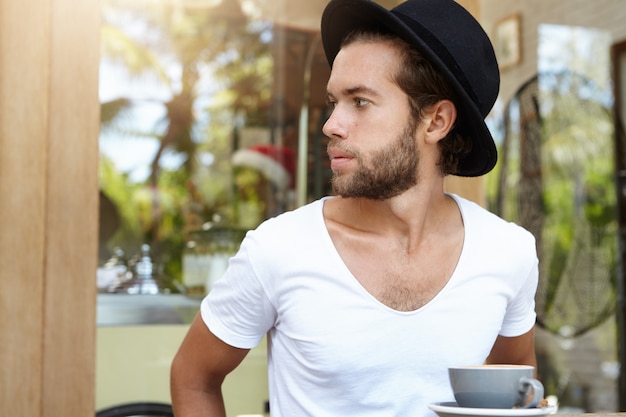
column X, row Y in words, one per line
column 198, row 370
column 518, row 350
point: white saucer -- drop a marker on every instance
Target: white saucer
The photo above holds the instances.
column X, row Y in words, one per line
column 452, row 409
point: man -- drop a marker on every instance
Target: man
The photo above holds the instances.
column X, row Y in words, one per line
column 368, row 297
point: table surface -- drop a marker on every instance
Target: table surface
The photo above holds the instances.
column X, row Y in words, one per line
column 127, row 310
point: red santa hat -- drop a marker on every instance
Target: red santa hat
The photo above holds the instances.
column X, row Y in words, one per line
column 276, row 163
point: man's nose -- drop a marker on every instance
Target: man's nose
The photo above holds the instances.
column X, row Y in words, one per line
column 334, row 128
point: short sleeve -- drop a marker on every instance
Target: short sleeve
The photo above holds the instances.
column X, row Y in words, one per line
column 520, row 315
column 237, row 309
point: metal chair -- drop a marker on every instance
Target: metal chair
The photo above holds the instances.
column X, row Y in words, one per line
column 151, row 409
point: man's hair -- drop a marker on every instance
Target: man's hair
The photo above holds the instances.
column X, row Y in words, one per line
column 424, row 86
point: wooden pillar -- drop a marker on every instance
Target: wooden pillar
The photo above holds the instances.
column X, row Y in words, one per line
column 618, row 72
column 49, row 121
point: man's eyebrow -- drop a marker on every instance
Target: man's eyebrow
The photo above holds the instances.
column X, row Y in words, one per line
column 358, row 89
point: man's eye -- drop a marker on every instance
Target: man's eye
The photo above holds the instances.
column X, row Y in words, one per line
column 331, row 104
column 360, row 102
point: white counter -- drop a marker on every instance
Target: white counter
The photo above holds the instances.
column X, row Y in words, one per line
column 137, row 338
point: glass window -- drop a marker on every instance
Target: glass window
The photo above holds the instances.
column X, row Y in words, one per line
column 556, row 178
column 208, row 107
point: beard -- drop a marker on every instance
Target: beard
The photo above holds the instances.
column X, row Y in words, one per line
column 388, row 172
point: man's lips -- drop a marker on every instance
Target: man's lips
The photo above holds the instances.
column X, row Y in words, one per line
column 339, row 158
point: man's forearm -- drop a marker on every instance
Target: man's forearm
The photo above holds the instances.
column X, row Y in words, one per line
column 197, row 403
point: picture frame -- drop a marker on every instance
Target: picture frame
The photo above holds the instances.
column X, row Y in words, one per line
column 507, row 42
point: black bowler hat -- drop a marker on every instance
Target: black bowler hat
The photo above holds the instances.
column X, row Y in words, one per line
column 447, row 35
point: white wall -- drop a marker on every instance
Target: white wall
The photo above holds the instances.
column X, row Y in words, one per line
column 609, row 15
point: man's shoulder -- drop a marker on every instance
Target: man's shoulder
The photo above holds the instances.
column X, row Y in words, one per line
column 484, row 221
column 308, row 212
column 303, row 221
column 287, row 236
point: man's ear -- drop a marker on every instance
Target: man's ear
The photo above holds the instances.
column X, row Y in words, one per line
column 441, row 119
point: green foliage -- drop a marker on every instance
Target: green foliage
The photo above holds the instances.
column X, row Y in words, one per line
column 193, row 53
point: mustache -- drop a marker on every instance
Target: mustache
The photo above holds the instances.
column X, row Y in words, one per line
column 339, row 145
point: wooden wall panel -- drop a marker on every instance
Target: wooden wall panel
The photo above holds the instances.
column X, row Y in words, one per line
column 48, row 206
column 72, row 207
column 23, row 123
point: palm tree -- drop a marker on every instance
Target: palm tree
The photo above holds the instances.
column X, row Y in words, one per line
column 177, row 46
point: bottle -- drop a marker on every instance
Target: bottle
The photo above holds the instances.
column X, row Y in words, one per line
column 196, row 260
column 223, row 244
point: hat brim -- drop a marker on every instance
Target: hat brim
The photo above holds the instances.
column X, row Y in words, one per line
column 342, row 17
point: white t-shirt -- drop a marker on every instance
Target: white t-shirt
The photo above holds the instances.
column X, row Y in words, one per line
column 334, row 350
